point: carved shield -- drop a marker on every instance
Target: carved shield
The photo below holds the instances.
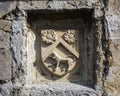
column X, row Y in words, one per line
column 59, row 50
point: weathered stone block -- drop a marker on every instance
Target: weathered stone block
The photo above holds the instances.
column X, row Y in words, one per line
column 5, row 25
column 4, row 39
column 6, row 7
column 58, row 89
column 5, row 67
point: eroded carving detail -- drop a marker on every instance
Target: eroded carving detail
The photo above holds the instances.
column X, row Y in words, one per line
column 61, row 64
column 49, row 36
column 60, row 57
column 69, row 36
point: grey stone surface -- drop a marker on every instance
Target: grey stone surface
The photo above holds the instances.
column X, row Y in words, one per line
column 17, row 38
column 5, row 25
column 17, row 48
column 59, row 89
column 112, row 84
column 5, row 64
column 57, row 4
column 6, row 6
column 4, row 39
column 6, row 89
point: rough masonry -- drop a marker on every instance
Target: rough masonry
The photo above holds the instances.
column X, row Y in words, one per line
column 59, row 48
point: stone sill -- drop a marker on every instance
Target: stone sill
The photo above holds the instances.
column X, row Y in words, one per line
column 61, row 88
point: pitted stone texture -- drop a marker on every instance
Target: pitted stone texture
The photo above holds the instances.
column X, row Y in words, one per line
column 112, row 84
column 57, row 4
column 5, row 67
column 6, row 7
column 4, row 39
column 5, row 25
column 17, row 40
column 59, row 89
column 6, row 89
column 17, row 48
column 113, row 15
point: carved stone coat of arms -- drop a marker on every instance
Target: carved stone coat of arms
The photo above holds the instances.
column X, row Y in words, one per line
column 59, row 50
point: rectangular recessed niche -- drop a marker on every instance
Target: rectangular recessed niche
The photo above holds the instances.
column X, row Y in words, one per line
column 60, row 46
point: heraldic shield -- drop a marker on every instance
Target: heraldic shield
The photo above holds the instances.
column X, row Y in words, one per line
column 59, row 50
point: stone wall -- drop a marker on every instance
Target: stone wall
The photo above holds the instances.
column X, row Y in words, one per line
column 98, row 74
column 112, row 84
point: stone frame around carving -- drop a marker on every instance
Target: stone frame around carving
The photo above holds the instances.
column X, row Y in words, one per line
column 86, row 39
column 98, row 54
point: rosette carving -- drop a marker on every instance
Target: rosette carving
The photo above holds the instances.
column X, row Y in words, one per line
column 69, row 36
column 49, row 36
